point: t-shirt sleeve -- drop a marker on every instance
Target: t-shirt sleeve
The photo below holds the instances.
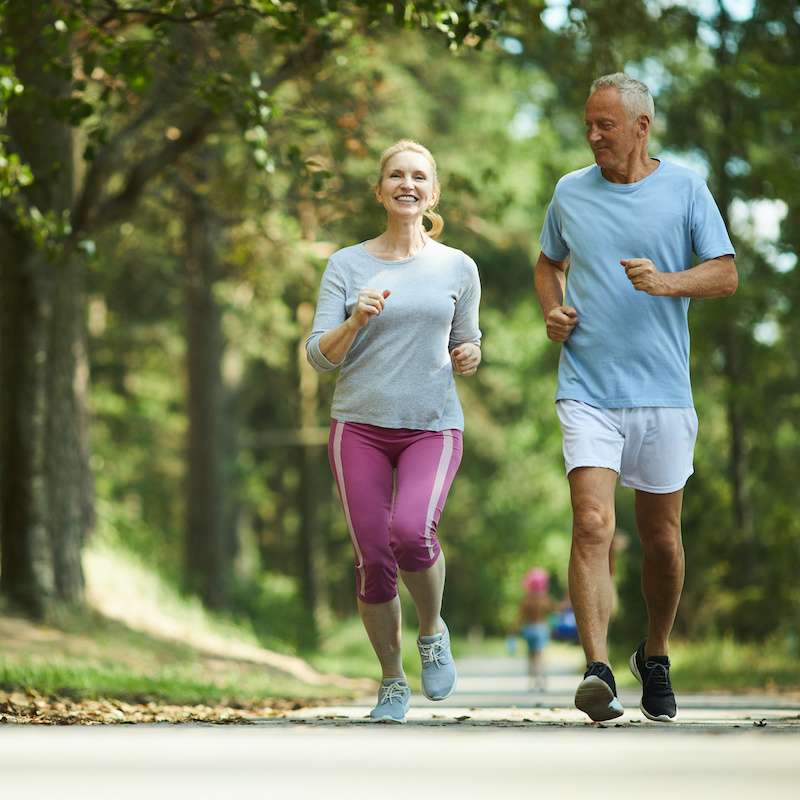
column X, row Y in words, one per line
column 551, row 240
column 331, row 312
column 709, row 237
column 465, row 318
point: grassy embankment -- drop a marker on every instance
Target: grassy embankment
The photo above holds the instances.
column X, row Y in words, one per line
column 144, row 643
column 140, row 641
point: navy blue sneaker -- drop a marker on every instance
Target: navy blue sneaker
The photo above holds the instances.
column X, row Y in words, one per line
column 597, row 693
column 658, row 699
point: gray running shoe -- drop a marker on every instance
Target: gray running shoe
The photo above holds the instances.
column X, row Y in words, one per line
column 438, row 669
column 394, row 698
column 597, row 693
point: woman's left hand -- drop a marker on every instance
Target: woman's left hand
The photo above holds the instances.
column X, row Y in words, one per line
column 466, row 358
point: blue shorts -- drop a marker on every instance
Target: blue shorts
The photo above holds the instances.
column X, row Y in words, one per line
column 537, row 634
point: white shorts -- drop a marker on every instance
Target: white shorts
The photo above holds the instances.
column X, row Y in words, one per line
column 651, row 448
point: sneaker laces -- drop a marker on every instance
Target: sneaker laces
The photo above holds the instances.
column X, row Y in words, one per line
column 392, row 691
column 432, row 653
column 658, row 677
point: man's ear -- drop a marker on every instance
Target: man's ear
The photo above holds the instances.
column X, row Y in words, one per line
column 643, row 124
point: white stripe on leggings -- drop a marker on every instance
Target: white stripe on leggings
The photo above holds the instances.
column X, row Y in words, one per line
column 337, row 461
column 438, row 483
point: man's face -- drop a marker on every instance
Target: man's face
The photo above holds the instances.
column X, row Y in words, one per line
column 611, row 134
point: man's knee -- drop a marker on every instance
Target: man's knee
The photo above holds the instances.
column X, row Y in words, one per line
column 662, row 540
column 592, row 523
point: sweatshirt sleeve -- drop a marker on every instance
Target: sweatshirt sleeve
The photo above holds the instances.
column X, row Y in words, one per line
column 330, row 313
column 465, row 319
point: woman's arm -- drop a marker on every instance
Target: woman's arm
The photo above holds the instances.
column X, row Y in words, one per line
column 465, row 335
column 333, row 333
column 335, row 344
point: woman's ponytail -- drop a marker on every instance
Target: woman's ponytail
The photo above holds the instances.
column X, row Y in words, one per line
column 437, row 223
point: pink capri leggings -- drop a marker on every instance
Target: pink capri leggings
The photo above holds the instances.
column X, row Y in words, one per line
column 393, row 483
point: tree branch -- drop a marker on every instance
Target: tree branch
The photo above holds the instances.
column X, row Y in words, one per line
column 116, row 207
column 143, row 14
column 119, row 205
column 102, row 163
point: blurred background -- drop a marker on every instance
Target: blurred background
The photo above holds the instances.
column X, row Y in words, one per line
column 173, row 177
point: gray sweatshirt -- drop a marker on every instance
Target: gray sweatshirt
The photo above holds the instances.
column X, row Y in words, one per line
column 397, row 373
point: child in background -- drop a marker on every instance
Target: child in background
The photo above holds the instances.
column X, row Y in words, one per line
column 534, row 610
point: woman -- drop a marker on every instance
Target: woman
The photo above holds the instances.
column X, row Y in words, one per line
column 398, row 315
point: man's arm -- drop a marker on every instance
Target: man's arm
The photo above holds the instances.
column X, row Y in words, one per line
column 549, row 279
column 716, row 277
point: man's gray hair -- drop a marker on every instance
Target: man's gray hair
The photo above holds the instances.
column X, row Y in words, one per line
column 635, row 96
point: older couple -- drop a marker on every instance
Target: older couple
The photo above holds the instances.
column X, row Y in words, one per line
column 398, row 316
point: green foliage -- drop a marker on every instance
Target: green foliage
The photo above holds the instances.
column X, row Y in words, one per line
column 179, row 683
column 14, row 174
column 299, row 101
column 271, row 601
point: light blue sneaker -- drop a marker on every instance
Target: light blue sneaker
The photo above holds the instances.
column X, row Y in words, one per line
column 438, row 669
column 394, row 698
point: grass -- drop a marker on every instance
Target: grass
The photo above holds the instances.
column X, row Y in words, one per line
column 148, row 644
column 93, row 657
column 178, row 685
column 89, row 657
column 144, row 642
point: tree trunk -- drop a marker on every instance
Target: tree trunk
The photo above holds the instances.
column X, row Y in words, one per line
column 46, row 484
column 26, row 568
column 70, row 494
column 207, row 554
column 313, row 494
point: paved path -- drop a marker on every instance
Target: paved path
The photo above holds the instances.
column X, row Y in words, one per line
column 494, row 691
column 492, row 740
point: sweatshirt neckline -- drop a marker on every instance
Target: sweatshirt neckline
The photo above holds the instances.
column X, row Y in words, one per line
column 421, row 251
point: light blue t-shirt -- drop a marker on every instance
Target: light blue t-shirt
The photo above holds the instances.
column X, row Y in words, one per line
column 629, row 349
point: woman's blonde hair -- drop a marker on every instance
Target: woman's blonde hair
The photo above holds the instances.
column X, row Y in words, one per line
column 407, row 145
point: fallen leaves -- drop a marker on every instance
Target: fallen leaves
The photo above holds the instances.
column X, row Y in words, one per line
column 35, row 709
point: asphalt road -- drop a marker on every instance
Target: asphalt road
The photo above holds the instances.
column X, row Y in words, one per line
column 492, row 739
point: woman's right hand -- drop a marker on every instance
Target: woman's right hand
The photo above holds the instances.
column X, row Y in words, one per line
column 369, row 304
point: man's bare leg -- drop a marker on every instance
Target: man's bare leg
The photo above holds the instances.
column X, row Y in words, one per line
column 658, row 518
column 593, row 522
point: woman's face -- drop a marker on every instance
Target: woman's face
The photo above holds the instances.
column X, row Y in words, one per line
column 407, row 188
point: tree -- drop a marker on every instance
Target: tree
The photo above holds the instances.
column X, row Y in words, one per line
column 100, row 77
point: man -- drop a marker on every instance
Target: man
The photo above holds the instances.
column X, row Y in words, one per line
column 627, row 226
